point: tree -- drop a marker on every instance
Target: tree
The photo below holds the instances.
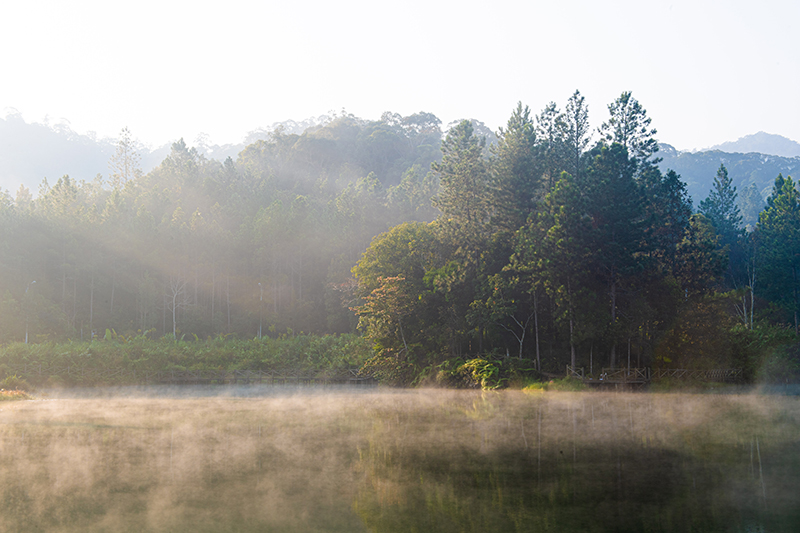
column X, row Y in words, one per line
column 699, row 261
column 566, row 252
column 124, row 164
column 550, row 132
column 618, row 220
column 750, row 204
column 669, row 208
column 629, row 126
column 463, row 198
column 721, row 209
column 779, row 236
column 516, row 174
column 577, row 133
column 397, row 310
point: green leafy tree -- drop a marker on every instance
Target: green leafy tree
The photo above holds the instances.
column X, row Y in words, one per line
column 397, row 310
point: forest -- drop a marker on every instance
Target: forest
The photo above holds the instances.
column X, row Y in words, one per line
column 544, row 244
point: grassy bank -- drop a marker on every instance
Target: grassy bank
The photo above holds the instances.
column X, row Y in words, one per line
column 126, row 361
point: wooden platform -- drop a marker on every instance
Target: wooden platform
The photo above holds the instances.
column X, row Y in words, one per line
column 642, row 376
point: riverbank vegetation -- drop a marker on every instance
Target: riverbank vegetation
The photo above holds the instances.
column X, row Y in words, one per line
column 133, row 361
column 451, row 253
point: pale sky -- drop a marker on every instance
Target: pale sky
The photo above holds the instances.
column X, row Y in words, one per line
column 707, row 72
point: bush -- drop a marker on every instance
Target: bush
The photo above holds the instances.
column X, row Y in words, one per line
column 567, row 384
column 15, row 383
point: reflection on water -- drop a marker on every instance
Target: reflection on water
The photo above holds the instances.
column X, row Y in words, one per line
column 289, row 459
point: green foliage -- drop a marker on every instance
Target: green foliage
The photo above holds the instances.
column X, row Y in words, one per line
column 721, row 209
column 482, row 373
column 15, row 383
column 533, row 247
column 629, row 126
column 308, row 354
column 778, row 238
column 566, row 384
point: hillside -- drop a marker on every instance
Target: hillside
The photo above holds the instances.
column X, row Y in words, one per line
column 30, row 152
column 749, row 172
column 762, row 143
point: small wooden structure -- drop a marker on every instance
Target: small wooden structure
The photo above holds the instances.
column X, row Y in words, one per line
column 643, row 376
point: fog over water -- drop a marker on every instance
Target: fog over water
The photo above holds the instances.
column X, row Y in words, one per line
column 345, row 459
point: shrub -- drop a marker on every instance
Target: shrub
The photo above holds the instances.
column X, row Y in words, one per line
column 15, row 383
column 564, row 384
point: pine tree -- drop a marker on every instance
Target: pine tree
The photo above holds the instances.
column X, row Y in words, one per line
column 124, row 164
column 779, row 235
column 516, row 176
column 721, row 209
column 629, row 126
column 577, row 133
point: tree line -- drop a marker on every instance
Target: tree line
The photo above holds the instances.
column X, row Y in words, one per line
column 262, row 245
column 549, row 242
column 554, row 250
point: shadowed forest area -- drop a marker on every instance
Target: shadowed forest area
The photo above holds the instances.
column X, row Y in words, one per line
column 451, row 253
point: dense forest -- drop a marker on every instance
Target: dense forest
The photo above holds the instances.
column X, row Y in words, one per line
column 548, row 241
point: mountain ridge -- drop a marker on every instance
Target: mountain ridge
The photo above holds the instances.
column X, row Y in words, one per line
column 762, row 143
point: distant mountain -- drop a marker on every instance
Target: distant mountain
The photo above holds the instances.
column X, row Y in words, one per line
column 762, row 143
column 750, row 172
column 31, row 152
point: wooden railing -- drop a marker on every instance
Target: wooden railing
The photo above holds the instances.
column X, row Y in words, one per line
column 717, row 374
column 576, row 373
column 645, row 375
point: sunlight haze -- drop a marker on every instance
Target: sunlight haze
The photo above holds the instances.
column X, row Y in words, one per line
column 707, row 72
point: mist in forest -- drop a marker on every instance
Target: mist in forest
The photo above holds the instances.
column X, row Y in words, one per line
column 549, row 240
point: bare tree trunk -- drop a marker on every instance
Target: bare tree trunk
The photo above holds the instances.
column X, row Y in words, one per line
column 91, row 303
column 213, row 297
column 536, row 325
column 794, row 275
column 164, row 311
column 571, row 339
column 113, row 287
column 228, row 298
column 613, row 324
column 74, row 298
column 629, row 353
column 752, row 289
column 274, row 285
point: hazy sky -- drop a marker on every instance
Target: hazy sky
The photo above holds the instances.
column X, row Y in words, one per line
column 707, row 72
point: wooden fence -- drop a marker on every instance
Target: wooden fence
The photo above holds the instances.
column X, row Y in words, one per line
column 646, row 375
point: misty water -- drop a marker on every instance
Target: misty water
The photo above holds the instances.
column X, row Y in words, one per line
column 344, row 459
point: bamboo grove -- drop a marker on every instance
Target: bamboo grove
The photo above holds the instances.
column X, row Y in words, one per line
column 548, row 242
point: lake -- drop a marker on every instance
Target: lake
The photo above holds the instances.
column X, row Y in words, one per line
column 371, row 459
